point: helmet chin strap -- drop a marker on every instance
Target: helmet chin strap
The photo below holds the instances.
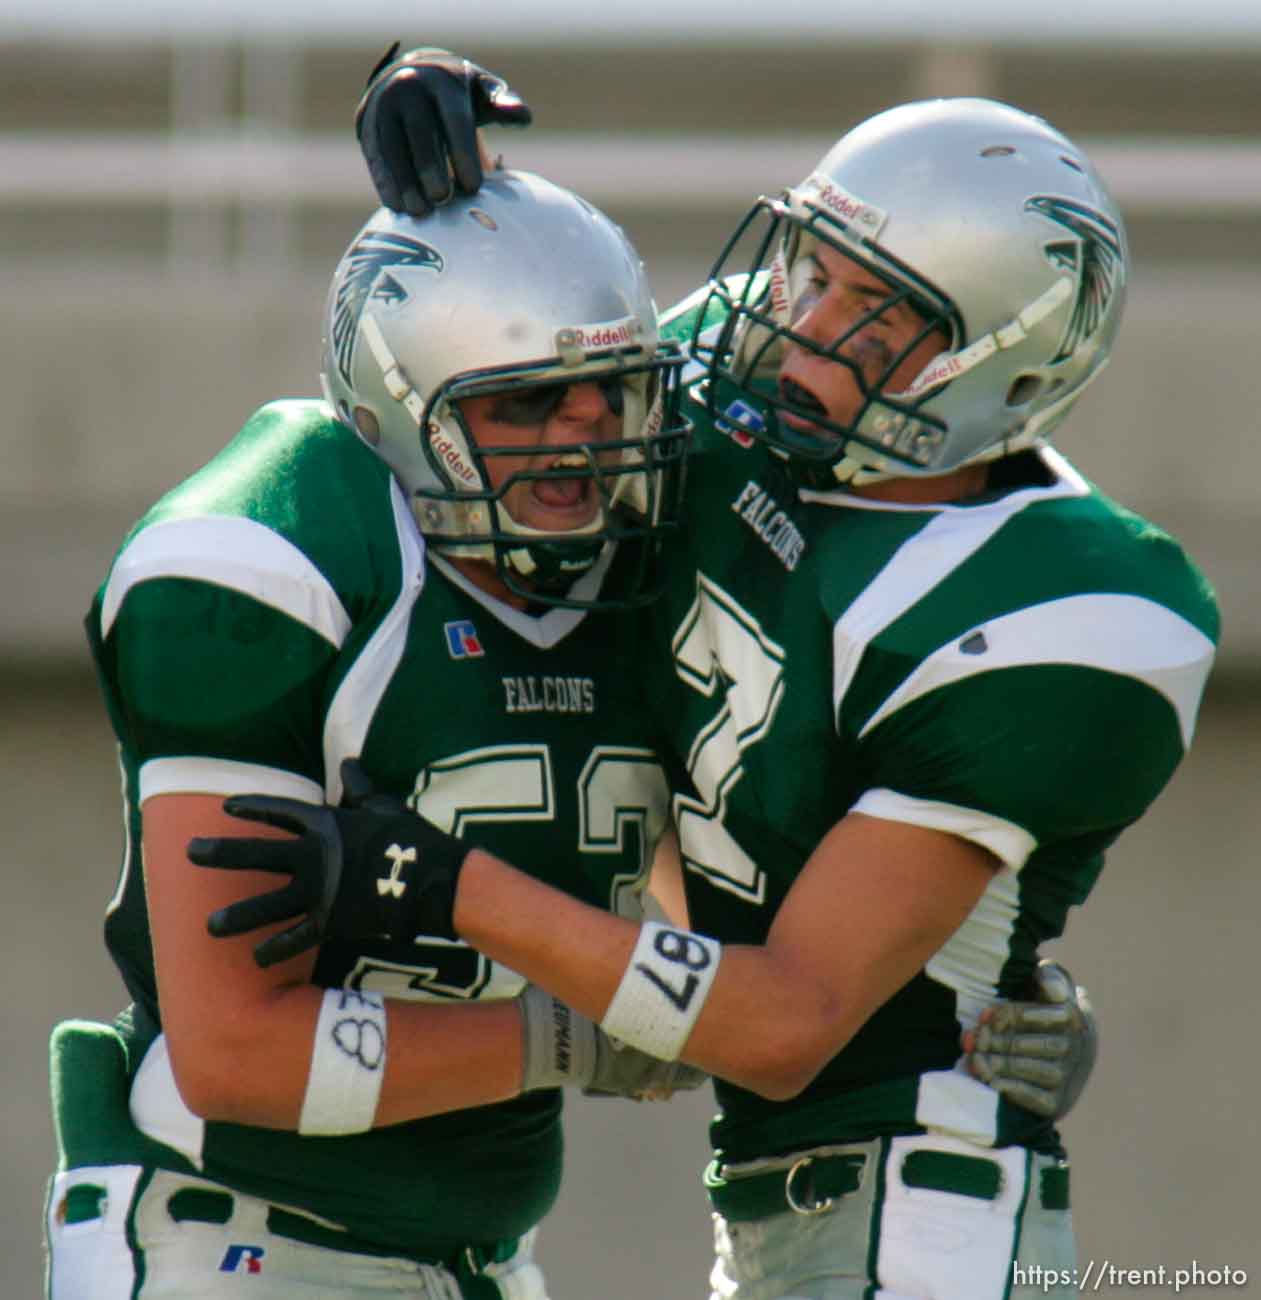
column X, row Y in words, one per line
column 856, row 469
column 548, row 556
column 950, row 365
column 397, row 384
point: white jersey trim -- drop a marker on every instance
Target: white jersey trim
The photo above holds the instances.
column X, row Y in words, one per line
column 121, row 888
column 924, row 560
column 543, row 631
column 158, row 1110
column 969, row 965
column 970, row 962
column 223, row 776
column 972, row 959
column 240, row 554
column 359, row 696
column 954, row 1103
column 1068, row 483
column 1128, row 635
column 1007, row 841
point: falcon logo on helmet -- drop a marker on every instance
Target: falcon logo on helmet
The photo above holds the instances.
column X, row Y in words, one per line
column 1095, row 257
column 365, row 262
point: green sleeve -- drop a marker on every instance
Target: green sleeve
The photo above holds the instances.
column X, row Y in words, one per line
column 196, row 669
column 1059, row 750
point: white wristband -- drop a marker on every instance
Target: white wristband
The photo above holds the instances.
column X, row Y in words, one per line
column 663, row 990
column 347, row 1065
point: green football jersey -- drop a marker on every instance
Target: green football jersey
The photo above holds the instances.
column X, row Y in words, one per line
column 1022, row 670
column 277, row 613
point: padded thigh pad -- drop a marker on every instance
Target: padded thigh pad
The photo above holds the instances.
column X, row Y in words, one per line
column 90, row 1086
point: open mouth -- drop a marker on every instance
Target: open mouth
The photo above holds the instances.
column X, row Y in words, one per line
column 559, row 491
column 803, row 402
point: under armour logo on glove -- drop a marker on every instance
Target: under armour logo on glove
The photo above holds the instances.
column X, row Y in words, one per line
column 335, row 864
column 393, row 884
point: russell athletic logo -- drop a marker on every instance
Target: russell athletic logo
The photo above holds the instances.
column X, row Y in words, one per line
column 364, row 274
column 462, row 640
column 243, row 1259
column 740, row 422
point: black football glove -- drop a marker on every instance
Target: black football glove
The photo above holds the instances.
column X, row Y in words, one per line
column 369, row 869
column 417, row 125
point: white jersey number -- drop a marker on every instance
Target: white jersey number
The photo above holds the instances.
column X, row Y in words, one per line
column 620, row 789
column 720, row 650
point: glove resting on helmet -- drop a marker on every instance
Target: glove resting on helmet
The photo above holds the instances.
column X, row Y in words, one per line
column 417, row 126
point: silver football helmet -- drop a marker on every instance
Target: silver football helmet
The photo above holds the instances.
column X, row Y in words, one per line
column 520, row 290
column 989, row 222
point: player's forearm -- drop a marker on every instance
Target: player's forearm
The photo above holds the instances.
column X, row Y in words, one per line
column 770, row 1016
column 666, row 882
column 242, row 1040
column 573, row 950
column 766, row 1024
column 447, row 1058
column 255, row 1068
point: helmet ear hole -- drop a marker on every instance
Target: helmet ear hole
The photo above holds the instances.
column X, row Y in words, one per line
column 368, row 425
column 1023, row 389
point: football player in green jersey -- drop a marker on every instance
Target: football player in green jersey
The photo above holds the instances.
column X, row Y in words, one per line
column 430, row 570
column 923, row 676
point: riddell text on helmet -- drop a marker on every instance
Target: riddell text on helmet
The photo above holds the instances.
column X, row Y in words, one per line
column 607, row 334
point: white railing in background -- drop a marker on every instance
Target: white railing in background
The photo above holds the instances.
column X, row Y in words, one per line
column 235, row 158
column 1177, row 177
column 202, row 177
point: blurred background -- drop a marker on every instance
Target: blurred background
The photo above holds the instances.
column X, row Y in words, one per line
column 176, row 184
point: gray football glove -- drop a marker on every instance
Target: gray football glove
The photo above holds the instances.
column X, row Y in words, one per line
column 1038, row 1054
column 565, row 1049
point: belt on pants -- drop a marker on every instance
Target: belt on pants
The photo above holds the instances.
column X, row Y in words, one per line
column 806, row 1182
column 210, row 1205
column 810, row 1182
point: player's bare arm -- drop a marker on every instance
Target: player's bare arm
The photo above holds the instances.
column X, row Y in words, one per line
column 1038, row 1052
column 666, row 881
column 535, row 1041
column 241, row 1038
column 875, row 901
